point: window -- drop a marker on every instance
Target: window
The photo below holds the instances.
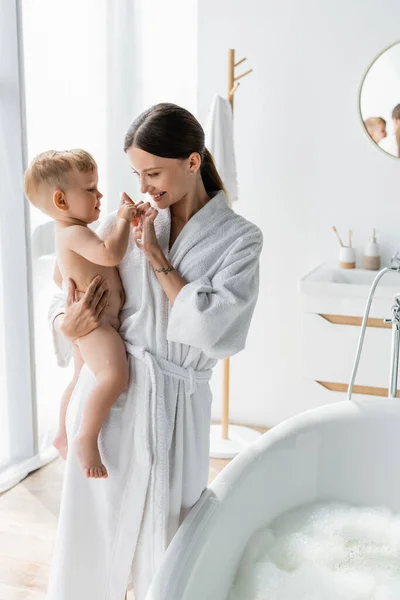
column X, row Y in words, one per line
column 64, row 72
column 4, row 442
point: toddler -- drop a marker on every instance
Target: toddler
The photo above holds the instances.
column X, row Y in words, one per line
column 376, row 127
column 63, row 185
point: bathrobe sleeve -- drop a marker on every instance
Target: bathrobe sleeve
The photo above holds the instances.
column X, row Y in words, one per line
column 215, row 314
column 61, row 345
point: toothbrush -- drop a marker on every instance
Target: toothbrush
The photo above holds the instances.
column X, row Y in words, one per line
column 338, row 236
column 350, row 236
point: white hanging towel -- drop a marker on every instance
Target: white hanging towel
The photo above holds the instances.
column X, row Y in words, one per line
column 219, row 141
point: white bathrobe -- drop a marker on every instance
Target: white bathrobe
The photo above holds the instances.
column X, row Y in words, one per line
column 155, row 443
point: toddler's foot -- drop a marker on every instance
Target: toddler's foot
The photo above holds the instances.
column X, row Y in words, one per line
column 88, row 454
column 61, row 443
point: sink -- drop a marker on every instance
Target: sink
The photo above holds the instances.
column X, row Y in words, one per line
column 331, row 289
column 332, row 278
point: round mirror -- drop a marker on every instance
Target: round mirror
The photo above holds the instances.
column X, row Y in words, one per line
column 380, row 101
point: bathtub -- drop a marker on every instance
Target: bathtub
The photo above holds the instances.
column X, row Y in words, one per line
column 348, row 451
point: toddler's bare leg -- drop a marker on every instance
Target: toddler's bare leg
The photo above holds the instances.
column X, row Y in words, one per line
column 60, row 441
column 104, row 353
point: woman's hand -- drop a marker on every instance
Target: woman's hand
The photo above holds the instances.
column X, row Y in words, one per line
column 80, row 318
column 144, row 233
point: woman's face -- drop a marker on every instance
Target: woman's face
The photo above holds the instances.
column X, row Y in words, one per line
column 166, row 180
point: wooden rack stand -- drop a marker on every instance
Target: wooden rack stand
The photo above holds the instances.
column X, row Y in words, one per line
column 226, row 441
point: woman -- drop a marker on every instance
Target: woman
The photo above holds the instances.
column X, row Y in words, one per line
column 191, row 275
column 390, row 143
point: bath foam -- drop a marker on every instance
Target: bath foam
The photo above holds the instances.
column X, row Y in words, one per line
column 323, row 551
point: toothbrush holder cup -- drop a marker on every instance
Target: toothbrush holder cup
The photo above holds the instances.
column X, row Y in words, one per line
column 347, row 258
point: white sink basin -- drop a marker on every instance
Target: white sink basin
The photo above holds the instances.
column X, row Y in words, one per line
column 355, row 282
column 333, row 290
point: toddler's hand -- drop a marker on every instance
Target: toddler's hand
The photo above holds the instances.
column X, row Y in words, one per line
column 127, row 209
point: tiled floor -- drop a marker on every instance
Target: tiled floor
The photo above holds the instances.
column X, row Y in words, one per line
column 28, row 522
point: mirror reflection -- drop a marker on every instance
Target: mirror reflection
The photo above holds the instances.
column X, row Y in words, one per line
column 380, row 101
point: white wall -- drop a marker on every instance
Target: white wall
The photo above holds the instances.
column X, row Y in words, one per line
column 305, row 163
column 151, row 58
column 169, row 52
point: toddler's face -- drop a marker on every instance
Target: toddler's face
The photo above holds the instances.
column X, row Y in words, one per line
column 379, row 133
column 83, row 197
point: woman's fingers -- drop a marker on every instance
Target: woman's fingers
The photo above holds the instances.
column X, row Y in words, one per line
column 94, row 292
column 152, row 213
column 102, row 303
column 71, row 292
column 143, row 207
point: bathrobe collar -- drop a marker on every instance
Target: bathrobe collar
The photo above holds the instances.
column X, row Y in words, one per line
column 217, row 205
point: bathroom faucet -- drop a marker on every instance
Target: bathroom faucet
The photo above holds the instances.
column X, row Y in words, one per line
column 394, row 265
column 395, row 312
column 394, row 363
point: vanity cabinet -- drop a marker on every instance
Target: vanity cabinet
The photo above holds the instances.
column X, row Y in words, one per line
column 333, row 301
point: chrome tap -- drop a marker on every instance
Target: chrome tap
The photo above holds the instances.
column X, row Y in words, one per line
column 394, row 265
column 394, row 363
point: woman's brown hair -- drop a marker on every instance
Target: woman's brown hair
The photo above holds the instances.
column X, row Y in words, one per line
column 398, row 140
column 170, row 131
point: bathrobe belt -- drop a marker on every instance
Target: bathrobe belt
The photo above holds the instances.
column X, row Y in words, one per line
column 159, row 365
column 158, row 442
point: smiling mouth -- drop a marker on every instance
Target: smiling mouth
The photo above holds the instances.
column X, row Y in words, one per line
column 158, row 196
